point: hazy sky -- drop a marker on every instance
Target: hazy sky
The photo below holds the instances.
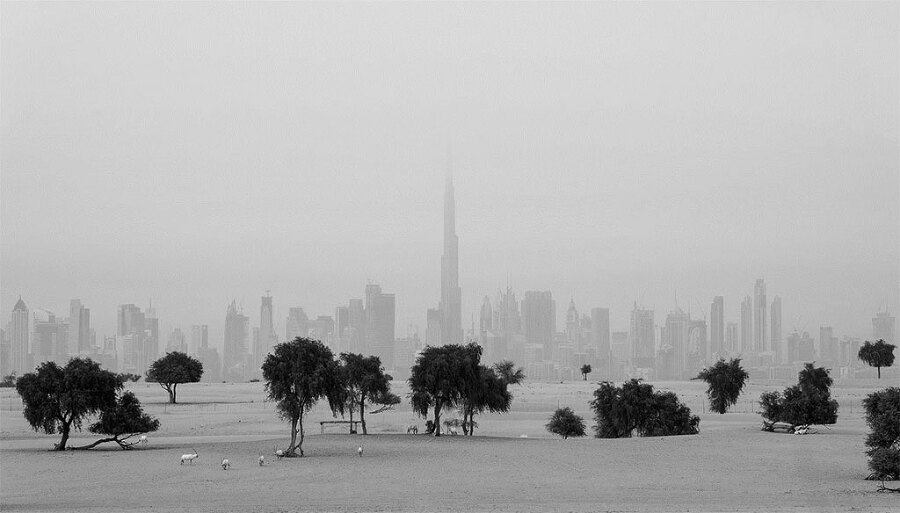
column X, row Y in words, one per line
column 194, row 152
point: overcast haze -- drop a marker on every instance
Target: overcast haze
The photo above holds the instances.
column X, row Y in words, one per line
column 195, row 153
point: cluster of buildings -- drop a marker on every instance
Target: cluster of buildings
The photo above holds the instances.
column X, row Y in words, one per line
column 523, row 330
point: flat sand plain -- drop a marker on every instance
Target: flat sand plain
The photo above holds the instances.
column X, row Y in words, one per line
column 730, row 466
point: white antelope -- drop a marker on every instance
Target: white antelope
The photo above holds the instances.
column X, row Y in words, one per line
column 802, row 430
column 278, row 452
column 412, row 429
column 189, row 457
column 226, row 464
column 453, row 430
column 143, row 439
column 262, row 460
column 359, row 451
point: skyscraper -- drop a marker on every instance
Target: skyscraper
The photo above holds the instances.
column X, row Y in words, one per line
column 883, row 327
column 775, row 340
column 357, row 326
column 642, row 335
column 717, row 326
column 539, row 322
column 486, row 317
column 760, row 332
column 747, row 326
column 731, row 338
column 237, row 334
column 266, row 341
column 451, row 303
column 600, row 332
column 380, row 324
column 297, row 324
column 133, row 344
column 199, row 337
column 828, row 350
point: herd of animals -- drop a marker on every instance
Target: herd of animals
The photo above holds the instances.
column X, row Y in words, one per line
column 279, row 453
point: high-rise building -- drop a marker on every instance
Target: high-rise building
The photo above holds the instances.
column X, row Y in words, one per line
column 777, row 344
column 136, row 339
column 79, row 336
column 731, row 338
column 237, row 335
column 600, row 332
column 747, row 326
column 539, row 322
column 618, row 346
column 199, row 337
column 486, row 317
column 760, row 312
column 642, row 336
column 176, row 342
column 828, row 344
column 674, row 343
column 573, row 325
column 342, row 327
column 266, row 342
column 297, row 324
column 451, row 302
column 433, row 327
column 380, row 324
column 717, row 326
column 357, row 326
column 883, row 327
column 696, row 348
column 48, row 339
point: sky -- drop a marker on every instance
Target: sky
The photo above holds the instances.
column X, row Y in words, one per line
column 614, row 153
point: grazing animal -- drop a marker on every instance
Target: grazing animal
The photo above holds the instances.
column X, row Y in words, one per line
column 412, row 428
column 523, row 435
column 143, row 439
column 189, row 457
column 278, row 452
column 359, row 451
column 262, row 460
column 802, row 430
column 453, row 430
column 226, row 464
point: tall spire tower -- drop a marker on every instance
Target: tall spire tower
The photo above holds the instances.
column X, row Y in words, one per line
column 451, row 308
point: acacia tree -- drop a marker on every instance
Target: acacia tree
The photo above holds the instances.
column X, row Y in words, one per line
column 440, row 377
column 878, row 355
column 807, row 402
column 364, row 381
column 508, row 372
column 883, row 417
column 122, row 422
column 488, row 392
column 298, row 374
column 58, row 399
column 585, row 370
column 172, row 369
column 565, row 423
column 635, row 408
column 726, row 381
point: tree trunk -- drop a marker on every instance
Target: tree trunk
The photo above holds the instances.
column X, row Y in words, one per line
column 61, row 446
column 585, row 376
column 879, row 371
column 352, row 431
column 362, row 414
column 174, row 391
column 291, row 451
column 95, row 444
column 300, row 445
column 437, row 417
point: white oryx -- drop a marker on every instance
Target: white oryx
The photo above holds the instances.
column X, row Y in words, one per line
column 189, row 457
column 412, row 429
column 226, row 464
column 359, row 451
column 143, row 439
column 802, row 430
column 262, row 460
column 278, row 452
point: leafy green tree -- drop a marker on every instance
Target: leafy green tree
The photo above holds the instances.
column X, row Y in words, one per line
column 878, row 355
column 807, row 402
column 489, row 392
column 585, row 370
column 364, row 382
column 122, row 422
column 508, row 372
column 57, row 399
column 440, row 377
column 298, row 374
column 726, row 381
column 565, row 423
column 635, row 408
column 883, row 442
column 173, row 369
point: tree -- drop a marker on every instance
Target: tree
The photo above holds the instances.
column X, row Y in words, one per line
column 489, row 392
column 58, row 399
column 9, row 381
column 878, row 355
column 172, row 369
column 725, row 380
column 364, row 381
column 508, row 372
column 123, row 421
column 440, row 377
column 585, row 370
column 636, row 409
column 565, row 423
column 807, row 402
column 298, row 374
column 883, row 417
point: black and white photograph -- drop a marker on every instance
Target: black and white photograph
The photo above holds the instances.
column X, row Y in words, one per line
column 432, row 256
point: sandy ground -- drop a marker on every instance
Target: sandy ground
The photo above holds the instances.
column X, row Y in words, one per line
column 729, row 466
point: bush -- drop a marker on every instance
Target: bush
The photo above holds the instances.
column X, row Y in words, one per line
column 883, row 417
column 808, row 402
column 565, row 423
column 635, row 408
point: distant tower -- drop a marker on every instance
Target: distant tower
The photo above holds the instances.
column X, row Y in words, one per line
column 883, row 327
column 18, row 331
column 237, row 334
column 380, row 324
column 747, row 326
column 600, row 330
column 451, row 304
column 486, row 321
column 717, row 326
column 266, row 342
column 760, row 335
column 775, row 340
